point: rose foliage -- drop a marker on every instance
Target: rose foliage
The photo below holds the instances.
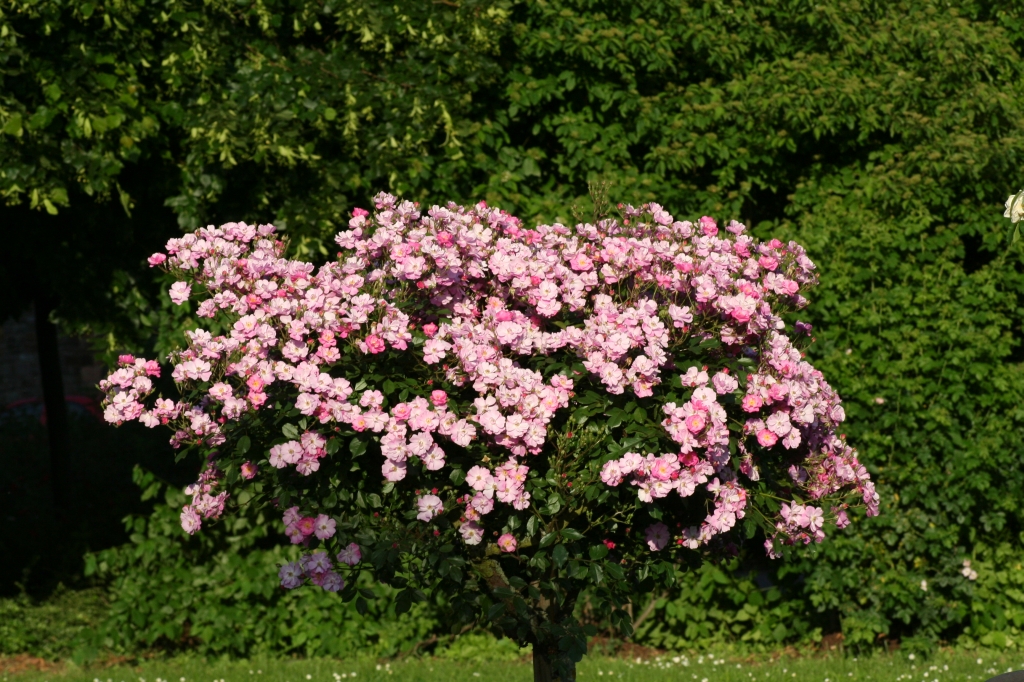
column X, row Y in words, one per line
column 511, row 417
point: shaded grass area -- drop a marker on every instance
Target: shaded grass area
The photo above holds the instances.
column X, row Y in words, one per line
column 946, row 665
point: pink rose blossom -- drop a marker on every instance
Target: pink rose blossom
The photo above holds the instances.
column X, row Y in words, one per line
column 766, row 438
column 350, row 555
column 472, row 533
column 249, row 470
column 657, row 536
column 429, row 506
column 374, row 344
column 190, row 521
column 324, row 527
column 179, row 292
column 507, row 543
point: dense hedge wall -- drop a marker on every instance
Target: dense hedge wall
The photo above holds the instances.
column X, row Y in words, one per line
column 884, row 135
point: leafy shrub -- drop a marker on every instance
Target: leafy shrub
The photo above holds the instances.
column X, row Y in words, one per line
column 884, row 136
column 51, row 628
column 480, row 646
column 210, row 593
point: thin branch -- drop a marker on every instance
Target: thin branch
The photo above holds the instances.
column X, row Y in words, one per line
column 648, row 610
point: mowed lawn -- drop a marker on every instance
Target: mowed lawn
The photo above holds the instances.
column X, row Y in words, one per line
column 955, row 665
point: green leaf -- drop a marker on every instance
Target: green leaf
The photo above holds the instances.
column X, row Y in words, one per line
column 290, row 432
column 547, row 540
column 243, row 445
column 357, row 446
column 559, row 554
column 13, row 126
column 457, row 476
column 571, row 534
column 598, row 552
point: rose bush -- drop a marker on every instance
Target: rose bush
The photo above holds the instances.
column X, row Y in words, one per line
column 515, row 418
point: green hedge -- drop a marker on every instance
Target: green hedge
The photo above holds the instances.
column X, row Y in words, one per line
column 882, row 134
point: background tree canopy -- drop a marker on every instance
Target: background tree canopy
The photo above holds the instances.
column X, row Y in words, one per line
column 884, row 136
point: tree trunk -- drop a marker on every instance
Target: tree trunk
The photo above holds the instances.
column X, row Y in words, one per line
column 53, row 399
column 546, row 660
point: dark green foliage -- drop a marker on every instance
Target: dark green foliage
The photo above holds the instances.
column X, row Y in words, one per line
column 42, row 547
column 53, row 628
column 883, row 135
column 216, row 593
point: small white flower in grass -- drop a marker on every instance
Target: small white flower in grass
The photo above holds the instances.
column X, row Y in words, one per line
column 911, row 656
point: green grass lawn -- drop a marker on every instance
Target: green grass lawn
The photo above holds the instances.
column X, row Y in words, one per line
column 899, row 667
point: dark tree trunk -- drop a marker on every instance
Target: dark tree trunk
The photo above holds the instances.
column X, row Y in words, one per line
column 546, row 661
column 53, row 399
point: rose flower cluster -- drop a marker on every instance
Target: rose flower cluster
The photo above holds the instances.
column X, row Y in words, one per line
column 471, row 296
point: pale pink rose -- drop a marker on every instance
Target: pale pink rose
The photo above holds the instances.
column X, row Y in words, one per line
column 374, row 344
column 190, row 521
column 438, row 398
column 291, row 516
column 179, row 292
column 766, row 438
column 429, row 506
column 472, row 533
column 351, row 555
column 724, row 383
column 324, row 527
column 611, row 473
column 394, row 471
column 156, row 259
